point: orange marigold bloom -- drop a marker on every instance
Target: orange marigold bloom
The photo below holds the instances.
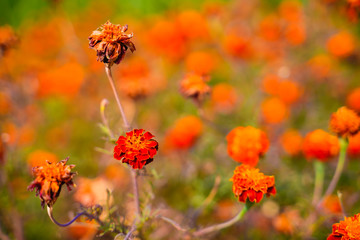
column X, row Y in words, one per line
column 349, row 229
column 341, row 44
column 320, row 145
column 49, row 180
column 238, row 46
column 332, row 204
column 345, row 122
column 224, row 97
column 291, row 141
column 137, row 148
column 199, row 26
column 194, row 86
column 295, row 33
column 274, row 110
column 270, row 28
column 247, row 144
column 354, row 145
column 291, row 10
column 321, row 66
column 7, row 38
column 111, row 42
column 201, row 62
column 250, row 183
column 353, row 99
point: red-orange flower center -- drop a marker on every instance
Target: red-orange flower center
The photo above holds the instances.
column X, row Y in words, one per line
column 250, row 183
column 349, row 229
column 137, row 148
column 345, row 122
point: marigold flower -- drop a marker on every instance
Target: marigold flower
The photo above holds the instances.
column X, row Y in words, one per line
column 353, row 99
column 295, row 33
column 349, row 229
column 250, row 183
column 201, row 62
column 341, row 44
column 224, row 97
column 49, row 180
column 274, row 110
column 111, row 42
column 199, row 26
column 238, row 46
column 332, row 204
column 137, row 148
column 354, row 145
column 345, row 122
column 291, row 141
column 291, row 10
column 247, row 144
column 270, row 28
column 7, row 38
column 320, row 145
column 321, row 66
column 194, row 86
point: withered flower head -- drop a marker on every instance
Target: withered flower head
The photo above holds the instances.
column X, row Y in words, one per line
column 250, row 183
column 7, row 38
column 137, row 148
column 349, row 229
column 49, row 180
column 111, row 42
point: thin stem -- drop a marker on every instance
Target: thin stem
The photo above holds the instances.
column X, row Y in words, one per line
column 226, row 224
column 136, row 193
column 319, row 181
column 339, row 194
column 173, row 223
column 109, row 75
column 103, row 104
column 340, row 166
column 50, row 213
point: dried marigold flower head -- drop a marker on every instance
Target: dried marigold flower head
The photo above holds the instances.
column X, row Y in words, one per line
column 349, row 229
column 137, row 148
column 247, row 144
column 345, row 122
column 194, row 86
column 353, row 99
column 7, row 38
column 111, row 42
column 320, row 145
column 49, row 180
column 250, row 183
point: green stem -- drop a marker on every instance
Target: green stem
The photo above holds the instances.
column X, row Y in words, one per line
column 226, row 224
column 319, row 180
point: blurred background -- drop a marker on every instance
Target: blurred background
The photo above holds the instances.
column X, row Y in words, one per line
column 282, row 66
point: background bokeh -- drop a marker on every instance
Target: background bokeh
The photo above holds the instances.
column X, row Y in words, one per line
column 282, row 66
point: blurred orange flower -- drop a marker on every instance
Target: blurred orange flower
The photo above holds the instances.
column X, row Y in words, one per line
column 18, row 135
column 250, row 183
column 345, row 122
column 320, row 145
column 341, row 44
column 192, row 25
column 194, row 86
column 137, row 148
column 7, row 38
column 238, row 46
column 201, row 62
column 354, row 145
column 287, row 221
column 332, row 204
column 111, row 42
column 184, row 134
column 274, row 110
column 5, row 103
column 224, row 97
column 291, row 10
column 270, row 28
column 321, row 66
column 349, row 229
column 40, row 158
column 295, row 33
column 353, row 100
column 270, row 84
column 291, row 142
column 287, row 90
column 49, row 180
column 247, row 144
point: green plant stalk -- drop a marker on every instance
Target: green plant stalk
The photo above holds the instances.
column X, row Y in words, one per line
column 319, row 181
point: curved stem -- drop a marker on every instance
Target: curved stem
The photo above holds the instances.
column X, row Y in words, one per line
column 109, row 75
column 136, row 193
column 50, row 213
column 319, row 181
column 226, row 224
column 173, row 223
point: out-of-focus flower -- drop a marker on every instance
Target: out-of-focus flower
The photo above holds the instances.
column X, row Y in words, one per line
column 184, row 134
column 18, row 135
column 353, row 10
column 247, row 144
column 224, row 97
column 341, row 44
column 320, row 145
column 65, row 80
column 291, row 10
column 349, row 229
column 291, row 141
column 192, row 25
column 345, row 122
column 49, row 180
column 225, row 209
column 117, row 175
column 111, row 42
column 270, row 28
column 238, row 46
column 287, row 221
column 90, row 192
column 40, row 158
column 270, row 84
column 295, row 33
column 354, row 145
column 274, row 110
column 321, row 66
column 250, row 183
column 5, row 103
column 201, row 62
column 137, row 148
column 194, row 86
column 82, row 230
column 7, row 38
column 332, row 204
column 353, row 100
